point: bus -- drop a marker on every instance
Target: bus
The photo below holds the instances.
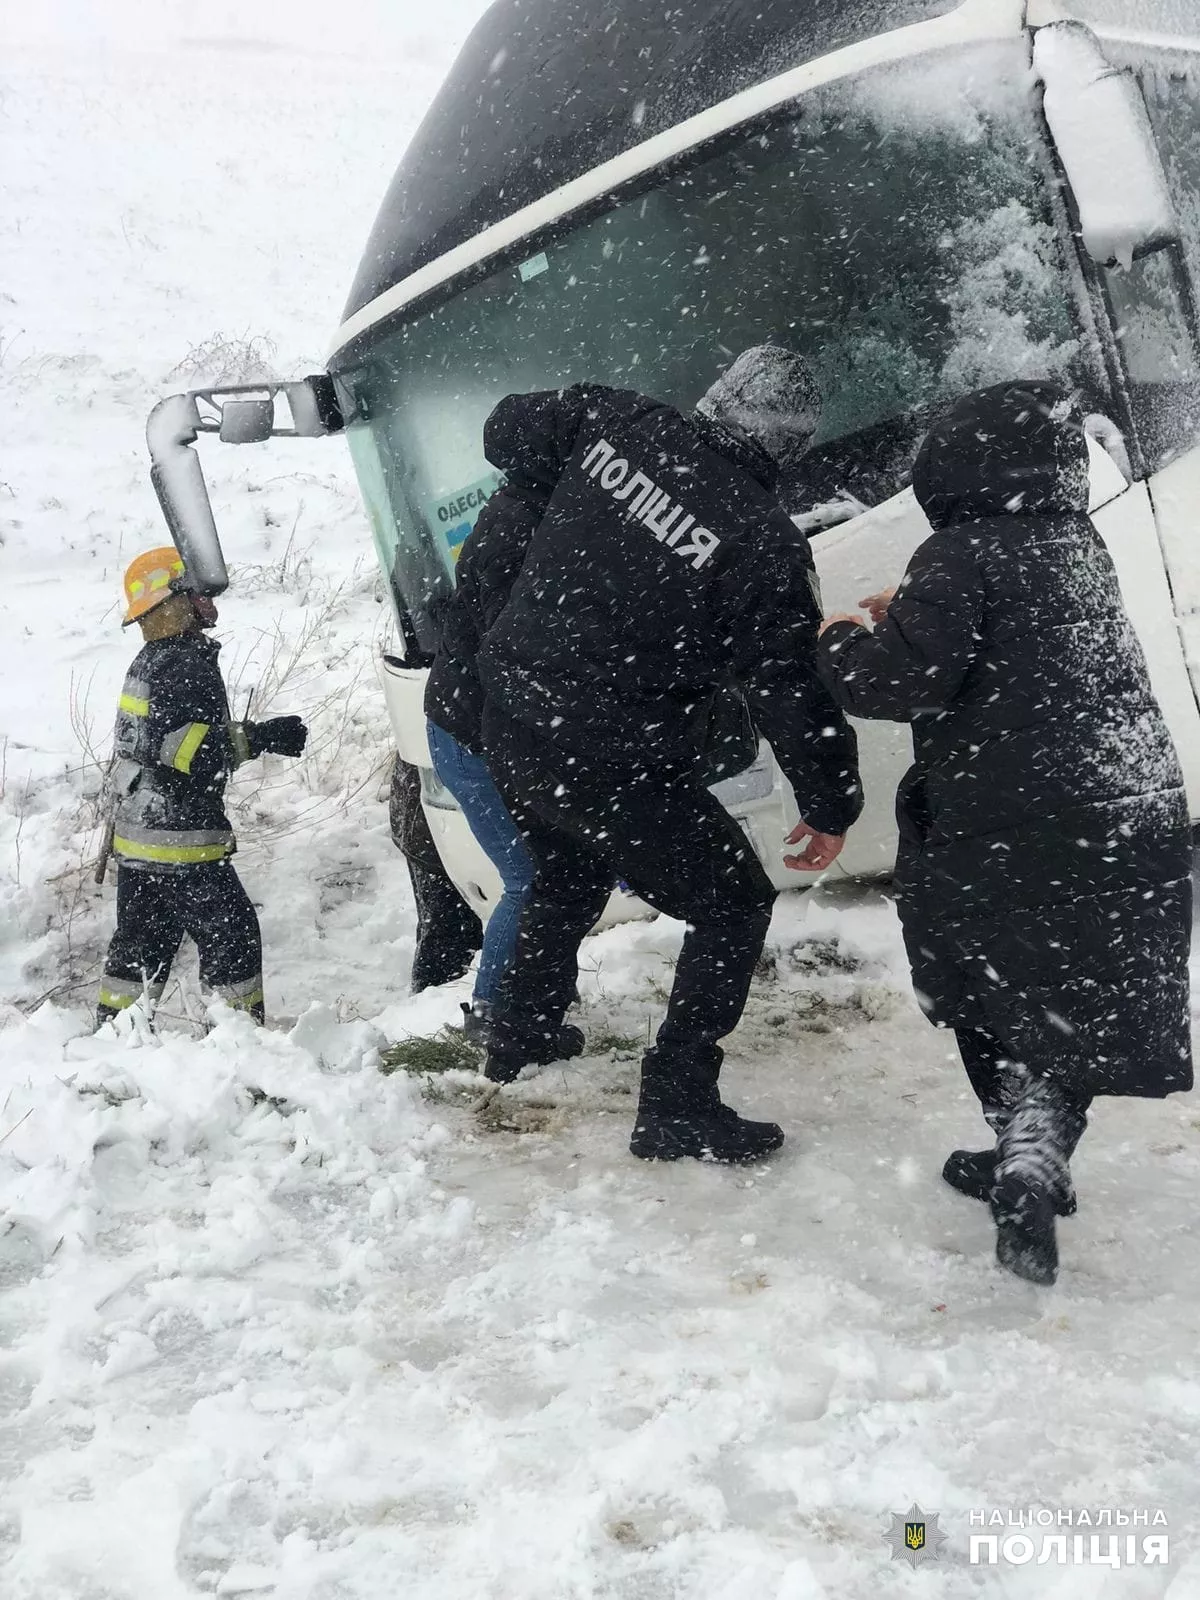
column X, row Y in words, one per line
column 923, row 196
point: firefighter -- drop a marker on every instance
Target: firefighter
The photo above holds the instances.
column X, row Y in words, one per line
column 175, row 747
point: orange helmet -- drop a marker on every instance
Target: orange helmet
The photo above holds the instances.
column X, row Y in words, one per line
column 149, row 579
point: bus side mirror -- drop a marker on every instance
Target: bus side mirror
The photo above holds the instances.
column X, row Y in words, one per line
column 314, row 406
column 237, row 414
column 247, row 421
column 1101, row 129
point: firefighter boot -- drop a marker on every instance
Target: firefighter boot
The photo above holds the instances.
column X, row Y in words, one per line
column 680, row 1112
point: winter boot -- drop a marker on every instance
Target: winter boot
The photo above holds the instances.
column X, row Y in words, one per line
column 973, row 1173
column 1033, row 1180
column 503, row 1067
column 680, row 1112
column 475, row 1023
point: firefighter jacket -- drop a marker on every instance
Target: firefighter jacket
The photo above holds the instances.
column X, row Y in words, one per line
column 662, row 568
column 175, row 748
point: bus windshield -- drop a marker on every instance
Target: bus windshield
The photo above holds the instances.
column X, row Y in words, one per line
column 894, row 227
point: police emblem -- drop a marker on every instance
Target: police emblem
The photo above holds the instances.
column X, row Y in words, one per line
column 915, row 1537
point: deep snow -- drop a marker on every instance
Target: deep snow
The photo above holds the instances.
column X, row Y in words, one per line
column 363, row 1337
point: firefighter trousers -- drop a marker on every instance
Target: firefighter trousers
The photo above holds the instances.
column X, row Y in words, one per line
column 588, row 824
column 155, row 910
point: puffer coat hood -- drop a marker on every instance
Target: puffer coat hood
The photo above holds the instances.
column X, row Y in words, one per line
column 1016, row 448
column 528, row 459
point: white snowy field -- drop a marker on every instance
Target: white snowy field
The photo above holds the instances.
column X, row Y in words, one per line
column 275, row 1324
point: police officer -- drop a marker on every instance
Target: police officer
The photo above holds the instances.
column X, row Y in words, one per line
column 662, row 568
column 174, row 750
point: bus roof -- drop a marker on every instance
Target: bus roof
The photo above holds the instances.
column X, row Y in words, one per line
column 545, row 90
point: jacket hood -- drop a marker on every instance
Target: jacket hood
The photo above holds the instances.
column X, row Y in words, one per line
column 526, row 455
column 1010, row 450
column 770, row 396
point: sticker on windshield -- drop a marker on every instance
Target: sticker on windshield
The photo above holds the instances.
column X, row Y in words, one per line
column 534, row 267
column 454, row 514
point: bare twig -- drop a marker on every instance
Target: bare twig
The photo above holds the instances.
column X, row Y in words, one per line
column 16, row 1125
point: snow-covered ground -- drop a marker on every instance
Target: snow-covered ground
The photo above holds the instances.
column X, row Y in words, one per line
column 273, row 1323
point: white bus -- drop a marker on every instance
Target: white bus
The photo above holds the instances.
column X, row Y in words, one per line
column 924, row 196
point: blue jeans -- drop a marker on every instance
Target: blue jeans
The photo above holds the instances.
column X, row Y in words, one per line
column 468, row 780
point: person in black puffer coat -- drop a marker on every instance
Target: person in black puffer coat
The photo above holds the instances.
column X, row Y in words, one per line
column 1043, row 872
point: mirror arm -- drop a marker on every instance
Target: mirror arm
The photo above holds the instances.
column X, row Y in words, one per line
column 177, row 474
column 1105, row 145
column 178, row 478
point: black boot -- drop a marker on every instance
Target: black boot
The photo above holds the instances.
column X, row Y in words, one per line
column 567, row 1043
column 1033, row 1179
column 680, row 1113
column 475, row 1023
column 973, row 1173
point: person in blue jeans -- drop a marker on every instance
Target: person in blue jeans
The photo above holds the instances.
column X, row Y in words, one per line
column 467, row 778
column 488, row 564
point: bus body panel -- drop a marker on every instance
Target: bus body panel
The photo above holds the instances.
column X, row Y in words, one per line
column 1132, row 535
column 1175, row 494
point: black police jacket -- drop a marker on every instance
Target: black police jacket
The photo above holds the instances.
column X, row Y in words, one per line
column 661, row 570
column 487, row 567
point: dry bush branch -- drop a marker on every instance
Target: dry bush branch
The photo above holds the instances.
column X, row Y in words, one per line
column 95, row 763
column 291, row 573
column 228, row 359
column 329, row 681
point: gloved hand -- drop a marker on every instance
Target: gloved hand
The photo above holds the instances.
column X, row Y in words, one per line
column 281, row 736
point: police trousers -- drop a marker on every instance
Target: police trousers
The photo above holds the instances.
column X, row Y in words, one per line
column 588, row 824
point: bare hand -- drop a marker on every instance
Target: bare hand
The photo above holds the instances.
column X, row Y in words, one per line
column 822, row 849
column 877, row 604
column 840, row 616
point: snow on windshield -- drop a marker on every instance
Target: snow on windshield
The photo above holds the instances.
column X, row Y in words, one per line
column 1006, row 292
column 998, row 265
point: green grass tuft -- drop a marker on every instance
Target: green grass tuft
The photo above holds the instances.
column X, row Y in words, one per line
column 606, row 1042
column 445, row 1051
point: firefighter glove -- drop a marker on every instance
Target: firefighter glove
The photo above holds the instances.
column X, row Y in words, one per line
column 280, row 736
